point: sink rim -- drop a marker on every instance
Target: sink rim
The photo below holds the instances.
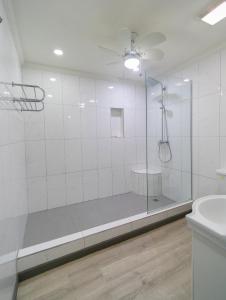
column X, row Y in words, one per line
column 202, row 224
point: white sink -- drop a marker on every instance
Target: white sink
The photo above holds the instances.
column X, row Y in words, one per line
column 208, row 224
column 209, row 217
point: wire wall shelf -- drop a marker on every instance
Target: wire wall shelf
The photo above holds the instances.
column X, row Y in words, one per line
column 21, row 97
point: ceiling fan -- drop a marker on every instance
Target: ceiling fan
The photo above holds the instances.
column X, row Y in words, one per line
column 136, row 51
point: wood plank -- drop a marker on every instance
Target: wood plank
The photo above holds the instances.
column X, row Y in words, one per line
column 155, row 265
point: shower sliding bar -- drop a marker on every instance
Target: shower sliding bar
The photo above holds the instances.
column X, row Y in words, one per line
column 21, row 97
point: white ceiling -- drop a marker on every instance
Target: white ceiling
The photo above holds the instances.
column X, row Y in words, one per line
column 78, row 26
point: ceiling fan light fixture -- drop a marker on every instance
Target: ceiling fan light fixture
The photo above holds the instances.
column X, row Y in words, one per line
column 137, row 69
column 132, row 62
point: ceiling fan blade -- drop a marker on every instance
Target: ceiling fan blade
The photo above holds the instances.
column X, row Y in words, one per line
column 124, row 38
column 150, row 40
column 113, row 63
column 154, row 55
column 109, row 51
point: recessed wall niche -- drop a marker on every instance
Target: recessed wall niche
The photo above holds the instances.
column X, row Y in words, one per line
column 117, row 122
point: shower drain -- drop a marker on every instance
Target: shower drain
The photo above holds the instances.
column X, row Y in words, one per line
column 155, row 200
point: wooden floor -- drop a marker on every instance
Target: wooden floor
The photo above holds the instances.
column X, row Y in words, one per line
column 155, row 265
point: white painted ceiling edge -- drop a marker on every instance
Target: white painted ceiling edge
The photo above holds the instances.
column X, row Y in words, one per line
column 79, row 73
column 17, row 40
column 194, row 60
column 13, row 28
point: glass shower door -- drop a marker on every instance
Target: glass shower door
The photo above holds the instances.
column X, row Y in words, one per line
column 168, row 142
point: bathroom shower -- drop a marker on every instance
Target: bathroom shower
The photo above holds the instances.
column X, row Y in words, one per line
column 164, row 148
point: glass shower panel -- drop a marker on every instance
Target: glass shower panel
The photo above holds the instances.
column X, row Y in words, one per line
column 168, row 142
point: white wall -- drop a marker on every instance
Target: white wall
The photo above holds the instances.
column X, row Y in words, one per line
column 209, row 122
column 13, row 198
column 70, row 154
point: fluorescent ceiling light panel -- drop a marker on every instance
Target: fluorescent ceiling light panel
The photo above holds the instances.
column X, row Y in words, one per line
column 216, row 15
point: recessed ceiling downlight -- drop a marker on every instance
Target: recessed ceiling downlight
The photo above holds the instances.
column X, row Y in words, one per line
column 58, row 52
column 215, row 15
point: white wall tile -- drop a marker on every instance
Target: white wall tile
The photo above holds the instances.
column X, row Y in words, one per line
column 174, row 121
column 89, row 122
column 209, row 75
column 129, row 95
column 140, row 123
column 222, row 163
column 89, row 154
column 16, row 127
column 153, row 153
column 37, row 194
column 176, row 148
column 74, row 188
column 116, row 95
column 195, row 186
column 118, row 151
column 195, row 155
column 128, row 178
column 154, row 122
column 207, row 186
column 104, row 153
column 52, row 88
column 129, row 124
column 223, row 113
column 105, row 182
column 130, row 151
column 186, row 117
column 209, row 115
column 186, row 154
column 208, row 156
column 221, row 185
column 55, row 157
column 172, row 184
column 90, row 185
column 47, row 83
column 35, row 157
column 141, row 150
column 140, row 97
column 73, row 155
column 103, row 123
column 31, row 76
column 119, row 182
column 195, row 117
column 72, row 128
column 53, row 96
column 34, row 126
column 70, row 90
column 54, row 121
column 87, row 91
column 103, row 93
column 186, row 186
column 4, row 134
column 191, row 73
column 56, row 191
column 223, row 68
